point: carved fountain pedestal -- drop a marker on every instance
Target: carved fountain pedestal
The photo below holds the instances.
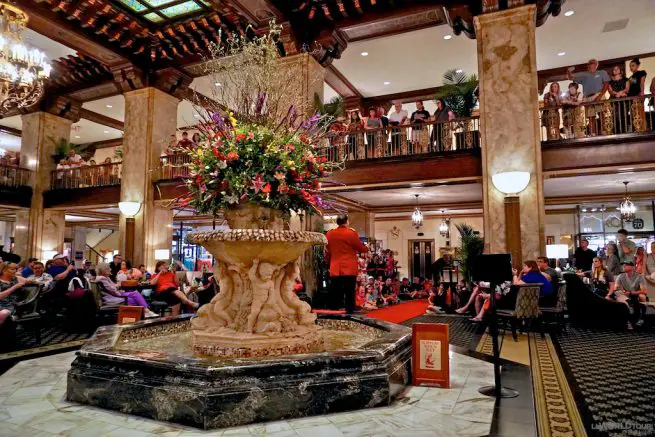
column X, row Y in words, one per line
column 256, row 353
column 257, row 313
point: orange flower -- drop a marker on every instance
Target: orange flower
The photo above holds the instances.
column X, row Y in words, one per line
column 267, row 188
column 241, row 137
column 232, row 156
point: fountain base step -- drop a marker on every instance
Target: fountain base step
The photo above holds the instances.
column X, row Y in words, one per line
column 139, row 369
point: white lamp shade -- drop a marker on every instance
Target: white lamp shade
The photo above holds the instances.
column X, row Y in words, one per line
column 129, row 209
column 162, row 254
column 511, row 182
column 557, row 251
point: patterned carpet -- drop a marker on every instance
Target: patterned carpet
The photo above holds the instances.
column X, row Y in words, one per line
column 53, row 339
column 613, row 376
column 461, row 331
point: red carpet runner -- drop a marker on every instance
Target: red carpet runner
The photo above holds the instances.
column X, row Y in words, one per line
column 400, row 312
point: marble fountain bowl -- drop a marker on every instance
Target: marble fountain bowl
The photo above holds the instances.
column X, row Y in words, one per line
column 150, row 369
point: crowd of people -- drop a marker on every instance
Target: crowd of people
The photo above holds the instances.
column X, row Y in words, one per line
column 118, row 283
column 620, row 272
column 376, row 134
column 582, row 108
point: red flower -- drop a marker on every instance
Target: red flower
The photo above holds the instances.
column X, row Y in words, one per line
column 289, row 147
column 304, row 139
column 283, row 188
column 241, row 137
column 232, row 156
column 267, row 188
column 224, row 185
column 218, row 154
column 258, row 183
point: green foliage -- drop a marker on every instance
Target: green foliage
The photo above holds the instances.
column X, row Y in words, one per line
column 118, row 153
column 334, row 108
column 459, row 92
column 62, row 147
column 472, row 246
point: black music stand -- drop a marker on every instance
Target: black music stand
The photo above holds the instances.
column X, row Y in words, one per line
column 495, row 269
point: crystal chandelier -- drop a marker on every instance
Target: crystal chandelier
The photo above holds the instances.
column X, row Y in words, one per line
column 444, row 227
column 417, row 215
column 627, row 208
column 23, row 70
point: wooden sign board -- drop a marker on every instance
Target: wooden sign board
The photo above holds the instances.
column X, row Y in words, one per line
column 430, row 359
column 129, row 314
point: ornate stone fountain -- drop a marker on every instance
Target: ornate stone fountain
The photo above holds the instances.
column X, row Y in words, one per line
column 255, row 353
column 257, row 312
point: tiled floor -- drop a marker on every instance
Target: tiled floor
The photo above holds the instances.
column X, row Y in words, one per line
column 32, row 404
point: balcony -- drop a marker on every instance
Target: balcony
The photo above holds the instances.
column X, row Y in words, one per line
column 87, row 176
column 174, row 166
column 623, row 136
column 15, row 186
column 405, row 140
column 614, row 119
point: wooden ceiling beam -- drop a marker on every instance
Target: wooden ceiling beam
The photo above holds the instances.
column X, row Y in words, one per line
column 47, row 23
column 101, row 119
column 11, row 131
column 340, row 84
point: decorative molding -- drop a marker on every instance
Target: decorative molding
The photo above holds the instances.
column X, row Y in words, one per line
column 64, row 107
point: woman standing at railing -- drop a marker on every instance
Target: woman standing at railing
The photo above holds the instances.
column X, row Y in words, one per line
column 637, row 87
column 373, row 138
column 440, row 137
column 619, row 88
column 551, row 119
column 355, row 143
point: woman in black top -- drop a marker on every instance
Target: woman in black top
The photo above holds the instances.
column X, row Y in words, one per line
column 619, row 88
column 441, row 115
column 419, row 132
column 637, row 80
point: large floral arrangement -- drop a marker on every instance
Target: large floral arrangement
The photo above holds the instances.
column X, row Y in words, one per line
column 239, row 163
column 258, row 144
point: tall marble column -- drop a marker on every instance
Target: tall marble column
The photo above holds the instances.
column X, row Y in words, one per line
column 363, row 223
column 509, row 123
column 309, row 76
column 39, row 230
column 150, row 120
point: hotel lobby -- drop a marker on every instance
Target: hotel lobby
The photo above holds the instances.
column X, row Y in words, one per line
column 327, row 218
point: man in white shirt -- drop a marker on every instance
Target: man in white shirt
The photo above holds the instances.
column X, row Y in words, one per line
column 74, row 160
column 397, row 117
column 40, row 276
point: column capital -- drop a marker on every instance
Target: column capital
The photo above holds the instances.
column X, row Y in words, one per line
column 172, row 81
column 128, row 77
column 64, row 107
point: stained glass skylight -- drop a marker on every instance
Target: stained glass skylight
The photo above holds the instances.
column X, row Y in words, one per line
column 181, row 9
column 164, row 11
column 134, row 5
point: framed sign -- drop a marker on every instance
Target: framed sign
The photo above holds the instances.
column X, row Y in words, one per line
column 129, row 314
column 638, row 223
column 430, row 363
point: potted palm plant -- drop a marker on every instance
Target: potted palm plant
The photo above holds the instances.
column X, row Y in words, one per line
column 472, row 246
column 459, row 92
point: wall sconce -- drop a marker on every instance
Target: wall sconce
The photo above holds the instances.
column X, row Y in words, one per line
column 129, row 210
column 511, row 183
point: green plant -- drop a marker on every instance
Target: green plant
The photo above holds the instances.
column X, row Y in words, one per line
column 472, row 246
column 334, row 108
column 63, row 146
column 459, row 92
column 118, row 153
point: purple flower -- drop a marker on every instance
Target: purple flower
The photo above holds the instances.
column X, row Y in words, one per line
column 259, row 106
column 292, row 115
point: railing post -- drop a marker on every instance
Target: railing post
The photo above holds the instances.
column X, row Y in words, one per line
column 607, row 118
column 638, row 115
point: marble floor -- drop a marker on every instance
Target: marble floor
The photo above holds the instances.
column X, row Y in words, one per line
column 32, row 404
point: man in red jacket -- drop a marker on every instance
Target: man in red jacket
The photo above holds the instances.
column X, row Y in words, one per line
column 342, row 249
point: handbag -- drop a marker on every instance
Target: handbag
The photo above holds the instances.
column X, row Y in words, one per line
column 76, row 289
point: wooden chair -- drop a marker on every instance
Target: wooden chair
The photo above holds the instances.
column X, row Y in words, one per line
column 556, row 313
column 526, row 308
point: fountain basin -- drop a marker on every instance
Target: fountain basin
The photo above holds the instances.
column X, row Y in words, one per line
column 149, row 369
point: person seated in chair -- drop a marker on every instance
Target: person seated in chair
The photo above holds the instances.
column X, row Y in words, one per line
column 167, row 288
column 111, row 295
column 10, row 290
column 530, row 274
column 39, row 276
column 61, row 270
column 630, row 289
column 482, row 300
column 601, row 279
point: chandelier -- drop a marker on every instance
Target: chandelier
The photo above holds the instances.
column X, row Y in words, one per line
column 627, row 208
column 417, row 215
column 23, row 70
column 444, row 226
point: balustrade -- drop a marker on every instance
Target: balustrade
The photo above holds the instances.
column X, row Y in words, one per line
column 627, row 115
column 404, row 140
column 174, row 166
column 86, row 176
column 11, row 176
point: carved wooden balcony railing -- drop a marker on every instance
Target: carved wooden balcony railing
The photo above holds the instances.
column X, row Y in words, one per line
column 626, row 115
column 11, row 176
column 174, row 166
column 404, row 140
column 86, row 176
